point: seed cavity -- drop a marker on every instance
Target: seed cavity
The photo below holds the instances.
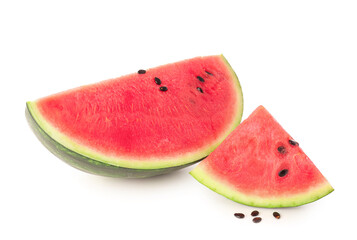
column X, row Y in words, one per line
column 293, row 142
column 257, row 219
column 282, row 149
column 283, row 172
column 163, row 89
column 239, row 215
column 142, row 71
column 276, row 215
column 208, row 73
column 255, row 213
column 200, row 89
column 200, row 78
column 157, row 81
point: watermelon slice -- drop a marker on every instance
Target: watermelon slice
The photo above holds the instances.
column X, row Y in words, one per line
column 143, row 124
column 259, row 164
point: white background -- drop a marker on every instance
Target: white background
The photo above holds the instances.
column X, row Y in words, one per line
column 297, row 58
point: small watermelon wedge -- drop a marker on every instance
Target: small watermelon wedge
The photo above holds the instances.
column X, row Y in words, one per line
column 259, row 164
column 142, row 124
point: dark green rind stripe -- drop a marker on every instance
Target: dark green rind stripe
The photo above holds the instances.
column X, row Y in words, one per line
column 90, row 165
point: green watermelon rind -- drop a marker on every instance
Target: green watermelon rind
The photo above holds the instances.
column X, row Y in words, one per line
column 90, row 161
column 209, row 180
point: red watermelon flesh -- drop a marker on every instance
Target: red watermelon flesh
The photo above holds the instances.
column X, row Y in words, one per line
column 259, row 164
column 167, row 116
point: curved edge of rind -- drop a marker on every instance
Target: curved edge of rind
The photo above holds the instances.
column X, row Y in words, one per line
column 209, row 181
column 87, row 164
column 239, row 88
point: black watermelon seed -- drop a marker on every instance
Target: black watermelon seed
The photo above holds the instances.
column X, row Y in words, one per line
column 200, row 89
column 257, row 219
column 239, row 215
column 276, row 215
column 255, row 213
column 208, row 73
column 163, row 89
column 293, row 142
column 200, row 78
column 142, row 71
column 283, row 172
column 157, row 81
column 282, row 149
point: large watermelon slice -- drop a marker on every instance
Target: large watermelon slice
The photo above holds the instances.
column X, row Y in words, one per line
column 259, row 164
column 143, row 124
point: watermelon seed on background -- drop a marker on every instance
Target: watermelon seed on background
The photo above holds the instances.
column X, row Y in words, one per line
column 276, row 215
column 254, row 213
column 257, row 219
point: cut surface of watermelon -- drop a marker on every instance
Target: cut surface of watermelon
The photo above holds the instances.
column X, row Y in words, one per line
column 259, row 164
column 162, row 118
